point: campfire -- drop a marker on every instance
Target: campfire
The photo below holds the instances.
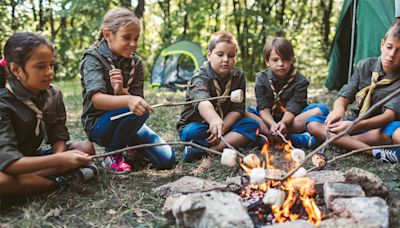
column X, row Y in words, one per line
column 270, row 201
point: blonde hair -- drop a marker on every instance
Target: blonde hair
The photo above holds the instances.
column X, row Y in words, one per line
column 221, row 36
column 117, row 18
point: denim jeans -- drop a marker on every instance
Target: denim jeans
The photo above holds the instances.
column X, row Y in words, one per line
column 129, row 131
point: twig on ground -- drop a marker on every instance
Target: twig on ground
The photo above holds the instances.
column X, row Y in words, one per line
column 355, row 152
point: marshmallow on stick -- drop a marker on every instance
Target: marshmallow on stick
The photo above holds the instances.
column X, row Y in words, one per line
column 298, row 155
column 252, row 161
column 258, row 176
column 274, row 197
column 229, row 157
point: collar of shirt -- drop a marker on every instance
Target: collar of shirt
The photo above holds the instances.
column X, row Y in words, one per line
column 106, row 52
column 278, row 83
column 377, row 67
column 21, row 93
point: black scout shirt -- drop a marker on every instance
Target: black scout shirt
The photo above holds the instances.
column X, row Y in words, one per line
column 202, row 86
column 294, row 97
column 18, row 122
column 362, row 78
column 95, row 78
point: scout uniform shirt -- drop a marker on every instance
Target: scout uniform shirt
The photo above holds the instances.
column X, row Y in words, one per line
column 293, row 98
column 95, row 78
column 18, row 121
column 202, row 86
column 362, row 78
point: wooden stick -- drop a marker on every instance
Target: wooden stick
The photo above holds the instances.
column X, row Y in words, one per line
column 345, row 132
column 211, row 151
column 355, row 152
column 170, row 104
column 232, row 147
column 285, row 140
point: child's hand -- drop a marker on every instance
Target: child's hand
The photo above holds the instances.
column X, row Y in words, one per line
column 280, row 126
column 116, row 80
column 73, row 159
column 340, row 126
column 334, row 116
column 139, row 106
column 216, row 126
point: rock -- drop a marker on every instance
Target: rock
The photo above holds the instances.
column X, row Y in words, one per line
column 234, row 183
column 211, row 209
column 369, row 210
column 323, row 176
column 344, row 223
column 333, row 191
column 167, row 208
column 371, row 183
column 187, row 184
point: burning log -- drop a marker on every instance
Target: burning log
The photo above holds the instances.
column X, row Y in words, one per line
column 229, row 157
column 274, row 197
column 236, row 96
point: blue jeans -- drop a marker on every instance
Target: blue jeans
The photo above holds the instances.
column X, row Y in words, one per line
column 129, row 131
column 197, row 132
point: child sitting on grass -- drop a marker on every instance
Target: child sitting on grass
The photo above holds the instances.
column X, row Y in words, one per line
column 374, row 79
column 205, row 122
column 281, row 94
column 32, row 111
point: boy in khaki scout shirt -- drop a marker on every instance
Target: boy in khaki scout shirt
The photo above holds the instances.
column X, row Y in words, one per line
column 374, row 79
column 32, row 111
column 205, row 122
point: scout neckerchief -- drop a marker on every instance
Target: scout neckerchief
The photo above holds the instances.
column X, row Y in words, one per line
column 364, row 96
column 131, row 73
column 277, row 99
column 219, row 93
column 35, row 109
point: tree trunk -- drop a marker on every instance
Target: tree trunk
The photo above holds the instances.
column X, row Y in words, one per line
column 139, row 10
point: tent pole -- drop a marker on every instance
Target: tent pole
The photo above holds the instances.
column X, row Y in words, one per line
column 353, row 28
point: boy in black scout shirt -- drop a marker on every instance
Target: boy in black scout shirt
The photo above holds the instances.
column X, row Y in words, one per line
column 374, row 79
column 205, row 122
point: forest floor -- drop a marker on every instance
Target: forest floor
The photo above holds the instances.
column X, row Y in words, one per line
column 128, row 200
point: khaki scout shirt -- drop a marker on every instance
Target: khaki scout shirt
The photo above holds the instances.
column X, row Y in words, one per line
column 95, row 78
column 294, row 97
column 202, row 86
column 18, row 122
column 362, row 78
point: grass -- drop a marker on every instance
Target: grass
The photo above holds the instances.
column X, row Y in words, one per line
column 127, row 200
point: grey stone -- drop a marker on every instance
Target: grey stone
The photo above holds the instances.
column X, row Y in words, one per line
column 166, row 211
column 371, row 183
column 344, row 223
column 234, row 183
column 369, row 210
column 188, row 184
column 299, row 223
column 324, row 176
column 210, row 209
column 333, row 191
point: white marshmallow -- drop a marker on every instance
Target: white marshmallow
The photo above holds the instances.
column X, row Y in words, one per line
column 298, row 155
column 237, row 96
column 274, row 197
column 229, row 157
column 258, row 176
column 251, row 160
column 300, row 172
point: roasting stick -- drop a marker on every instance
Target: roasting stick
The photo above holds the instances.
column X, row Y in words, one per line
column 236, row 96
column 232, row 147
column 157, row 144
column 285, row 140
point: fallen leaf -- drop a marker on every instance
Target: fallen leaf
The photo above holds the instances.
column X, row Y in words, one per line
column 53, row 213
column 138, row 213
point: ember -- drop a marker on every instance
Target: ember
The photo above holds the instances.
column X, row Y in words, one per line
column 271, row 201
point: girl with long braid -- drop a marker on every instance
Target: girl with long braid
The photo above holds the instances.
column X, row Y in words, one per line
column 112, row 81
column 281, row 94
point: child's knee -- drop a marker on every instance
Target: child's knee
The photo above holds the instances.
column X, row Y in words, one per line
column 320, row 109
column 85, row 146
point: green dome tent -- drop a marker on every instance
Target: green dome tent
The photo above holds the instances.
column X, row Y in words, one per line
column 372, row 19
column 176, row 64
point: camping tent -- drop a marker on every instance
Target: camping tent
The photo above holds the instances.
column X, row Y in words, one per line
column 372, row 19
column 175, row 65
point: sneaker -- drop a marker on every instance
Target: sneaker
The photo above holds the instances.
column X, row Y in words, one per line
column 304, row 140
column 136, row 159
column 116, row 164
column 191, row 153
column 391, row 155
column 85, row 173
